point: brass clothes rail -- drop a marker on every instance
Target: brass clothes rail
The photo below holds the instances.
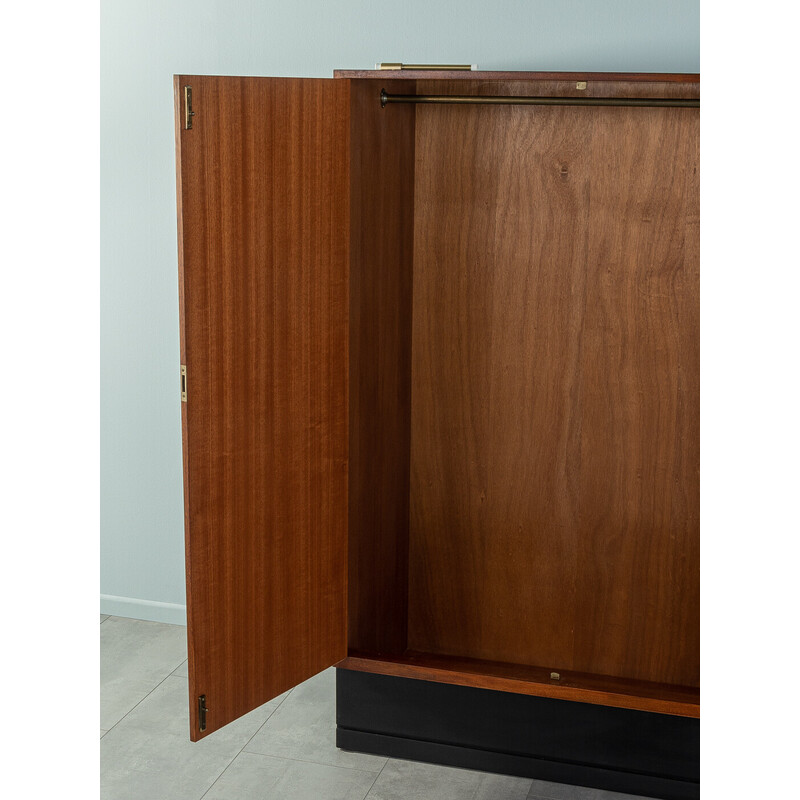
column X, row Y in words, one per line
column 510, row 100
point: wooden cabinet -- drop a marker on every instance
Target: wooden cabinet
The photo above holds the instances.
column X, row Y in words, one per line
column 442, row 384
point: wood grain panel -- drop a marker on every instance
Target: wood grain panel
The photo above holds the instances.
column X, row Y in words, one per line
column 382, row 177
column 617, row 81
column 548, row 86
column 264, row 193
column 638, row 566
column 500, row 251
column 554, row 442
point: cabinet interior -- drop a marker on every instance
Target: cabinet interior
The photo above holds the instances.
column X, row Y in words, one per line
column 523, row 394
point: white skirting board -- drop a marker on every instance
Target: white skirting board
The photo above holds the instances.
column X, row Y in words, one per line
column 135, row 608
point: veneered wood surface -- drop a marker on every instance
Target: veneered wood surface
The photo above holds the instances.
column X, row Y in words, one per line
column 547, row 86
column 498, row 300
column 638, row 565
column 619, row 78
column 579, row 687
column 264, row 197
column 382, row 217
column 554, row 443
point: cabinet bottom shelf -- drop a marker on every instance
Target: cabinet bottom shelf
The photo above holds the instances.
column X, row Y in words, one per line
column 617, row 749
column 659, row 698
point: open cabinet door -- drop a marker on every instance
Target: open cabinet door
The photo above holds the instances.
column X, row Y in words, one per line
column 263, row 216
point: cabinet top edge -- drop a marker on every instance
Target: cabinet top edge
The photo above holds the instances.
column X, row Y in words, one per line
column 479, row 75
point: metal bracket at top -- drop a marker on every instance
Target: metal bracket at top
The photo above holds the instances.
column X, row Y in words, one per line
column 397, row 65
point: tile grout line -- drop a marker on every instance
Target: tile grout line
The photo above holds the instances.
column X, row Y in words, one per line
column 168, row 675
column 366, row 796
column 289, row 758
column 124, row 716
column 317, row 763
column 241, row 749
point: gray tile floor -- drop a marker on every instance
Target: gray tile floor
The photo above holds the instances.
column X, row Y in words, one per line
column 283, row 750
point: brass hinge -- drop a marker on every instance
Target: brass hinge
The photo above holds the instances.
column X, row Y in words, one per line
column 183, row 383
column 187, row 106
column 201, row 711
column 397, row 65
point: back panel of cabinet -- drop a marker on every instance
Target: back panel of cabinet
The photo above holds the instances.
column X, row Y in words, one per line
column 554, row 442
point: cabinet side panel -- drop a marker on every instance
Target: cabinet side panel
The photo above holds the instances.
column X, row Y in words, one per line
column 382, row 194
column 264, row 195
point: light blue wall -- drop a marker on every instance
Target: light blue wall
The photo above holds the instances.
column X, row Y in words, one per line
column 144, row 42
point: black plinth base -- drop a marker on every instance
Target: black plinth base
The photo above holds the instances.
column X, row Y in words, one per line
column 654, row 755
